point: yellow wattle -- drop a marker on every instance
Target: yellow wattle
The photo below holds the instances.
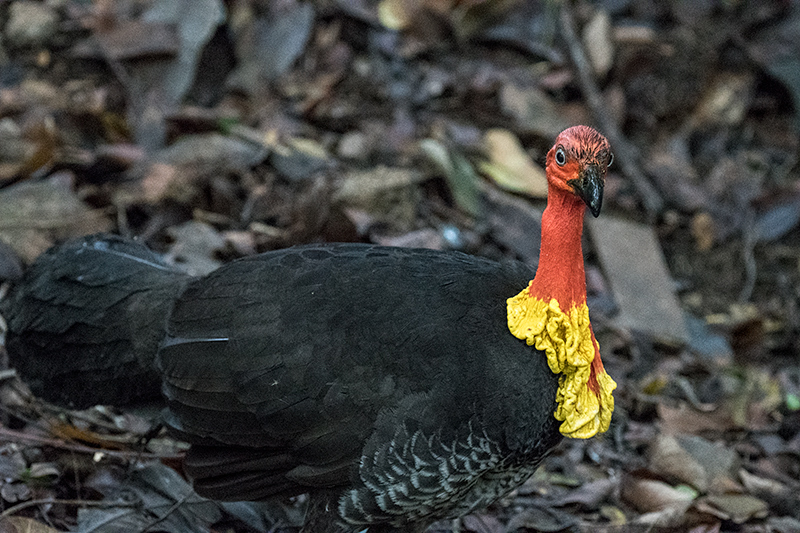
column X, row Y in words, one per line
column 567, row 339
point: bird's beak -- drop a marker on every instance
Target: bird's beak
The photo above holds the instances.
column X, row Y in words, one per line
column 589, row 187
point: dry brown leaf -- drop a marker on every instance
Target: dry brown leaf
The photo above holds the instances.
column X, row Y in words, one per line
column 725, row 101
column 398, row 14
column 589, row 495
column 23, row 524
column 386, row 194
column 195, row 246
column 736, row 507
column 707, row 466
column 156, row 184
column 761, row 485
column 132, row 39
column 179, row 171
column 34, row 215
column 669, row 459
column 632, row 259
column 650, row 495
column 684, row 419
column 703, row 231
column 598, row 43
column 534, row 111
column 510, row 166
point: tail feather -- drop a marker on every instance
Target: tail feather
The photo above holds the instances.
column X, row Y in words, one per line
column 86, row 320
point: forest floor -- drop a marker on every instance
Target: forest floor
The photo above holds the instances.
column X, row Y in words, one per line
column 213, row 130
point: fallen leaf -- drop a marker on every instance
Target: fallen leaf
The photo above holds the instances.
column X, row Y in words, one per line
column 10, row 264
column 268, row 44
column 764, row 487
column 194, row 247
column 706, row 343
column 130, row 39
column 155, row 88
column 470, row 19
column 598, row 43
column 15, row 492
column 649, row 495
column 510, row 167
column 31, row 149
column 397, row 14
column 386, row 194
column 783, row 524
column 542, row 518
column 34, row 215
column 777, row 220
column 725, row 101
column 299, row 159
column 671, row 518
column 30, row 24
column 703, row 231
column 670, row 460
column 590, row 495
column 22, row 524
column 533, row 110
column 40, row 471
column 736, row 507
column 614, row 515
column 670, row 165
column 12, row 462
column 685, row 419
column 705, row 465
column 178, row 171
column 153, row 491
column 632, row 260
column 462, row 179
column 483, row 522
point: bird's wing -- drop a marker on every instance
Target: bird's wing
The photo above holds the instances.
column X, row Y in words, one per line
column 289, row 358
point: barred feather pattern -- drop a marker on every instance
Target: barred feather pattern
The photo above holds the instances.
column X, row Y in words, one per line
column 415, row 477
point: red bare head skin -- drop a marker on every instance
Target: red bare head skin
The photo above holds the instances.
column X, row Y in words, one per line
column 576, row 170
column 577, row 163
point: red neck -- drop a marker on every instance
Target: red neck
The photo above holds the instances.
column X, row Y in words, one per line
column 561, row 274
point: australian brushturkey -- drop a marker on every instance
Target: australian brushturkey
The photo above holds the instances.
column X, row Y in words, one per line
column 396, row 386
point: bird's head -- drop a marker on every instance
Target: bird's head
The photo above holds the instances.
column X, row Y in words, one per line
column 577, row 164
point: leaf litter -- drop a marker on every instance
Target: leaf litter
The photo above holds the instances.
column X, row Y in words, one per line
column 213, row 131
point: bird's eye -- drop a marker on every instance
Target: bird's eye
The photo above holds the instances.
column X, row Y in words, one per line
column 561, row 157
column 610, row 159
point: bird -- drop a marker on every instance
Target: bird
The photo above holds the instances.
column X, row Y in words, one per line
column 394, row 386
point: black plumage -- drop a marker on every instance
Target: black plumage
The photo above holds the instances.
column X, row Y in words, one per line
column 86, row 320
column 383, row 381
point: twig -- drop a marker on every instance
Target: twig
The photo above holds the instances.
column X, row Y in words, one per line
column 624, row 153
column 169, row 511
column 16, row 436
column 85, row 503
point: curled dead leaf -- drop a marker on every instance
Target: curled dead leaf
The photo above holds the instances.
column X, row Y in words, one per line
column 510, row 167
column 650, row 495
column 738, row 508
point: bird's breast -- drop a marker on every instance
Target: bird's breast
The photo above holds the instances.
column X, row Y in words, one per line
column 415, row 476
